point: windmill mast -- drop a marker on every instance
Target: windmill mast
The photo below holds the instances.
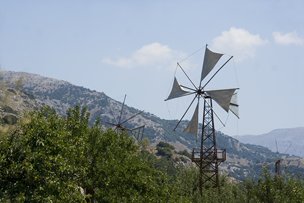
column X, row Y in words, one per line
column 277, row 165
column 278, row 168
column 208, row 157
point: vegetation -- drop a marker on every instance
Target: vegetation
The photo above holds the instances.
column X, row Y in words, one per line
column 49, row 158
column 164, row 149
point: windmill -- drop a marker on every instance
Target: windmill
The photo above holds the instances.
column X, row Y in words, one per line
column 120, row 124
column 279, row 161
column 208, row 156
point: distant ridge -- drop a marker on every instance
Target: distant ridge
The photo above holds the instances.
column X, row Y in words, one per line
column 289, row 140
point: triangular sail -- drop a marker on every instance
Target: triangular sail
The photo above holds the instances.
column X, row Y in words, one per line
column 222, row 97
column 210, row 60
column 176, row 91
column 234, row 107
column 192, row 126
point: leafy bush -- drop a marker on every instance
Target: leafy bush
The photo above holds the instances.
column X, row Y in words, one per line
column 185, row 153
column 51, row 158
column 48, row 158
column 164, row 149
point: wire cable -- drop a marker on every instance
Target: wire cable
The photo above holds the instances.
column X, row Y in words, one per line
column 186, row 58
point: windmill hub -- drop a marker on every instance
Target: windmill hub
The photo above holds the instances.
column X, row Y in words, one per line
column 120, row 127
column 200, row 91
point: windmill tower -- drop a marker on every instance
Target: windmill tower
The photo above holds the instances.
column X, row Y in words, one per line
column 280, row 160
column 277, row 166
column 208, row 157
column 119, row 125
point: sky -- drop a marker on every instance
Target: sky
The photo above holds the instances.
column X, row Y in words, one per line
column 132, row 47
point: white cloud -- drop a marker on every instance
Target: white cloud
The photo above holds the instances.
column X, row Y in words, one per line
column 238, row 42
column 291, row 38
column 151, row 55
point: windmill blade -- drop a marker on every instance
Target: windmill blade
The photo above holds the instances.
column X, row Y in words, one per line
column 234, row 107
column 109, row 123
column 138, row 132
column 176, row 91
column 140, row 127
column 132, row 117
column 123, row 104
column 192, row 126
column 187, row 75
column 210, row 60
column 288, row 147
column 224, row 98
column 188, row 88
column 111, row 112
column 217, row 116
column 276, row 145
column 216, row 73
column 185, row 112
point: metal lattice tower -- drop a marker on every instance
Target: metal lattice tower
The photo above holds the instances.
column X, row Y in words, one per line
column 208, row 157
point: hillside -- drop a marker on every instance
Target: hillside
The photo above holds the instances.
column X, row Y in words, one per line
column 243, row 160
column 289, row 141
column 14, row 102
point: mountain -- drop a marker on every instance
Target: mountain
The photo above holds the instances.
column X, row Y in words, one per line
column 243, row 160
column 13, row 103
column 290, row 141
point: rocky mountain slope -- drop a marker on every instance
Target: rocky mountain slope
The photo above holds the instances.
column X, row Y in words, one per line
column 243, row 160
column 13, row 103
column 289, row 141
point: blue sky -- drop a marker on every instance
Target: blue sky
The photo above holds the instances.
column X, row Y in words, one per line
column 131, row 47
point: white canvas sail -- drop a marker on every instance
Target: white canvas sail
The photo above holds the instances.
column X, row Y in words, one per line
column 192, row 126
column 176, row 91
column 234, row 107
column 210, row 60
column 222, row 97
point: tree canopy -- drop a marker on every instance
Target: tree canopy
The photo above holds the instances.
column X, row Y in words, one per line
column 50, row 158
column 53, row 158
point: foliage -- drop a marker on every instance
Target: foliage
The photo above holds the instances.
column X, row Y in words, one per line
column 49, row 158
column 274, row 189
column 164, row 149
column 35, row 164
column 119, row 172
column 185, row 153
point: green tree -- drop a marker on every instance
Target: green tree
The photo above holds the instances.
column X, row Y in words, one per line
column 164, row 149
column 117, row 173
column 34, row 162
column 50, row 158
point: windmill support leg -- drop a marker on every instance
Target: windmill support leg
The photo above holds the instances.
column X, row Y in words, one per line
column 208, row 157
